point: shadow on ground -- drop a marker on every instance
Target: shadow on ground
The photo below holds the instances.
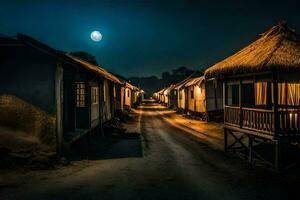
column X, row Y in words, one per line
column 100, row 147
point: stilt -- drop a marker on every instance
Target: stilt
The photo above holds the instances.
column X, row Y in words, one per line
column 277, row 162
column 225, row 139
column 250, row 145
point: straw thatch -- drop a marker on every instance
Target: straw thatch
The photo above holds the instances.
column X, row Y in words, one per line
column 194, row 81
column 277, row 48
column 96, row 69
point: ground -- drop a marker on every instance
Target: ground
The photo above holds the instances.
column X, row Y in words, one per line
column 173, row 158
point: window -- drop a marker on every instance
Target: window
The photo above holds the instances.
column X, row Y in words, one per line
column 115, row 92
column 192, row 94
column 261, row 93
column 128, row 93
column 175, row 93
column 80, row 94
column 234, row 94
column 104, row 92
column 248, row 94
column 95, row 95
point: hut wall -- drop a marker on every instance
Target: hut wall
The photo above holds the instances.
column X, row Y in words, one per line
column 173, row 98
column 201, row 106
column 191, row 98
column 118, row 97
column 69, row 99
column 95, row 104
column 181, row 99
column 214, row 95
column 122, row 97
column 166, row 98
column 133, row 97
column 128, row 97
column 197, row 104
column 112, row 99
column 106, row 101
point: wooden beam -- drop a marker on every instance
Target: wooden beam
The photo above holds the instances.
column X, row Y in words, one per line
column 250, row 145
column 240, row 103
column 225, row 139
column 275, row 105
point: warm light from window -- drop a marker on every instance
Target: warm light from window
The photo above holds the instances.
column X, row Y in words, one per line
column 80, row 94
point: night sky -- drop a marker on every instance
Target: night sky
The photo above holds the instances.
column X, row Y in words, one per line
column 143, row 37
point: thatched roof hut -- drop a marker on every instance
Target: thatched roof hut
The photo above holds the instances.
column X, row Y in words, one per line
column 277, row 48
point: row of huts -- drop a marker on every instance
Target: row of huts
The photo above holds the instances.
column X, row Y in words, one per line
column 260, row 91
column 194, row 95
column 54, row 96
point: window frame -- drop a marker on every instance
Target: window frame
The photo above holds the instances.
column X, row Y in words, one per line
column 80, row 94
column 95, row 95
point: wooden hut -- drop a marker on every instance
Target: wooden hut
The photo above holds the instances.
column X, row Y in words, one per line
column 172, row 96
column 261, row 86
column 49, row 95
column 131, row 95
column 109, row 86
column 182, row 94
column 160, row 95
column 204, row 97
column 195, row 88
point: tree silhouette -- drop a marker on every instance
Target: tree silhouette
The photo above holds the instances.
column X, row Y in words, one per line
column 85, row 56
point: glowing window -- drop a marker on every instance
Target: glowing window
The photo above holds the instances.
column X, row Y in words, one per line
column 115, row 92
column 104, row 92
column 95, row 95
column 80, row 94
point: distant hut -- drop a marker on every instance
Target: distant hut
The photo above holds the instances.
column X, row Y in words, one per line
column 160, row 95
column 131, row 95
column 262, row 91
column 200, row 97
column 182, row 95
column 172, row 96
column 195, row 88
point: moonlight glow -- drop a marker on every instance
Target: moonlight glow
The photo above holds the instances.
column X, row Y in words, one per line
column 96, row 36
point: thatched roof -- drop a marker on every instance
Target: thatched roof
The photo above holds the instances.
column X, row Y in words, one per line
column 102, row 72
column 194, row 81
column 132, row 87
column 277, row 48
column 24, row 39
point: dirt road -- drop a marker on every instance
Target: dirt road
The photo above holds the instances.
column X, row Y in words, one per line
column 166, row 163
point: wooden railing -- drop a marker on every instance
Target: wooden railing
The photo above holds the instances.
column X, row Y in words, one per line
column 232, row 115
column 258, row 119
column 250, row 118
column 289, row 120
column 262, row 120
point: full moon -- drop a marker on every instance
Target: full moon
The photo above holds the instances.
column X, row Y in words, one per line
column 96, row 36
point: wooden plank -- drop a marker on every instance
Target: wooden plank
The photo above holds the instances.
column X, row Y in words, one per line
column 254, row 132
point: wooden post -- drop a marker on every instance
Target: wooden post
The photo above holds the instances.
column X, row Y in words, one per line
column 240, row 102
column 224, row 97
column 277, row 156
column 225, row 139
column 250, row 145
column 215, row 93
column 275, row 106
column 89, row 106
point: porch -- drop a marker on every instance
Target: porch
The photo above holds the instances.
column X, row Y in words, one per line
column 261, row 122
